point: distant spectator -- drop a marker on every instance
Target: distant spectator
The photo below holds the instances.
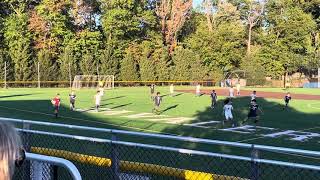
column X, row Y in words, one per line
column 152, row 89
column 231, row 92
column 238, row 86
column 171, row 90
column 198, row 92
column 10, row 145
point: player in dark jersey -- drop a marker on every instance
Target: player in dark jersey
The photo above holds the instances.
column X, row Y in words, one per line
column 253, row 111
column 56, row 104
column 287, row 99
column 214, row 98
column 72, row 99
column 157, row 102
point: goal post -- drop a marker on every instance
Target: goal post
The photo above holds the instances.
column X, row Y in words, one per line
column 93, row 81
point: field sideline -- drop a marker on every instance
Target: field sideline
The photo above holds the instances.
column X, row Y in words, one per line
column 130, row 108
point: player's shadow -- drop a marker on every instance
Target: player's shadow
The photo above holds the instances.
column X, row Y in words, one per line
column 165, row 95
column 17, row 95
column 169, row 108
column 179, row 94
column 120, row 106
column 118, row 97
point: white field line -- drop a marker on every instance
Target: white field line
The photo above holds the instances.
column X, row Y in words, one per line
column 173, row 120
column 93, row 122
column 311, row 106
column 203, row 123
column 205, row 127
column 144, row 115
column 113, row 113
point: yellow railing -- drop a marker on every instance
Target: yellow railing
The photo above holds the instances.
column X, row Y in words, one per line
column 127, row 166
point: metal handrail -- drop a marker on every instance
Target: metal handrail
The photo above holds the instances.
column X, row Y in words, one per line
column 74, row 172
column 171, row 137
column 178, row 150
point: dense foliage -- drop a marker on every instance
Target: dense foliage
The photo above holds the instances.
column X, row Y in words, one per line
column 158, row 39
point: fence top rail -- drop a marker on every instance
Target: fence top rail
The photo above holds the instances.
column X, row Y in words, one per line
column 179, row 150
column 171, row 137
column 74, row 172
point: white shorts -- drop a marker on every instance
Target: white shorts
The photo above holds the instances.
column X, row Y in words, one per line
column 228, row 116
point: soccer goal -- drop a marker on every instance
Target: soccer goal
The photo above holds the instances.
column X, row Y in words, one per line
column 93, row 81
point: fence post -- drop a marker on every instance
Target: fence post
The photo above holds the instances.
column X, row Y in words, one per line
column 114, row 158
column 38, row 74
column 70, row 80
column 319, row 76
column 254, row 164
column 55, row 172
column 27, row 147
column 5, row 74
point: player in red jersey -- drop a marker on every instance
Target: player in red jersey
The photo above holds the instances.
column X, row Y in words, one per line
column 56, row 104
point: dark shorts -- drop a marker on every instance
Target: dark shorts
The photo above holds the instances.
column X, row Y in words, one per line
column 56, row 108
column 251, row 115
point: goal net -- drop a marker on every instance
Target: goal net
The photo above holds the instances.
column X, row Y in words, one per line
column 93, row 81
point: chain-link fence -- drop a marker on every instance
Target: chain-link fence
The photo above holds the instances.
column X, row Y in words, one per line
column 112, row 159
column 39, row 167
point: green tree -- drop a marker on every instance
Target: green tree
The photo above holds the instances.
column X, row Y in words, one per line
column 109, row 64
column 88, row 64
column 287, row 40
column 67, row 64
column 129, row 67
column 17, row 38
column 48, row 69
column 182, row 60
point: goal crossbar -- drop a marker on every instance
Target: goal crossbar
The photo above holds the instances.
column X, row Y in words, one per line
column 93, row 81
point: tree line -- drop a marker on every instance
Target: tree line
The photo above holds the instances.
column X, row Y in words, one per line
column 158, row 39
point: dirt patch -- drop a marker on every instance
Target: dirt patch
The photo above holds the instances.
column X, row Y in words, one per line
column 263, row 94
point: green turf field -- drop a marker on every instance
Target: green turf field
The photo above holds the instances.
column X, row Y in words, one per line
column 126, row 105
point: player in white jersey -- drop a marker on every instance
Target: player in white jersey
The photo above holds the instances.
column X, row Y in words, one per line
column 97, row 99
column 253, row 95
column 227, row 111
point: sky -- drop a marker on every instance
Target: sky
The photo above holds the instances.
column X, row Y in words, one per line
column 196, row 3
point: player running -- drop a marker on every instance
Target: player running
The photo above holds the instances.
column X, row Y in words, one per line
column 287, row 99
column 97, row 99
column 56, row 104
column 253, row 112
column 253, row 95
column 227, row 111
column 157, row 102
column 72, row 99
column 214, row 98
